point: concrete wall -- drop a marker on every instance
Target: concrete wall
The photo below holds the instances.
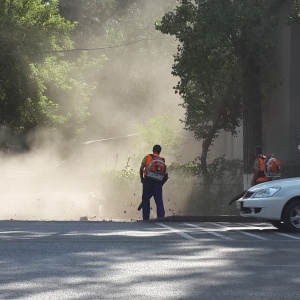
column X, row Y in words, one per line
column 281, row 111
column 294, row 116
column 225, row 144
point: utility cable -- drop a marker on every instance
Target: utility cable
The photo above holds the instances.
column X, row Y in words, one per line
column 93, row 49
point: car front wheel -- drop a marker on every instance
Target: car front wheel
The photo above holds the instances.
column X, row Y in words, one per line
column 291, row 217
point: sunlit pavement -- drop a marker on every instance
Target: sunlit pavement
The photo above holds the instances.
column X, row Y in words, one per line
column 147, row 260
column 222, row 218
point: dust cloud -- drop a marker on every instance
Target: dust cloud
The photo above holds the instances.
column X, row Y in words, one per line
column 60, row 180
column 96, row 178
column 81, row 181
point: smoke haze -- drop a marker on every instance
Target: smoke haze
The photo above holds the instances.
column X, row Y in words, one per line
column 59, row 180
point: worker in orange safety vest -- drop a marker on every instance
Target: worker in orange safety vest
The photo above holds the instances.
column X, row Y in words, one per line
column 259, row 175
column 153, row 174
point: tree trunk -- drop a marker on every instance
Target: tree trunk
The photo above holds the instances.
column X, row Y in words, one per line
column 207, row 180
column 205, row 174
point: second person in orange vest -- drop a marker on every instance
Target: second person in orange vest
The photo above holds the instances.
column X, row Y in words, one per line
column 259, row 175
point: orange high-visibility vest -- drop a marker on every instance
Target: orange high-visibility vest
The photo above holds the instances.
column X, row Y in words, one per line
column 261, row 175
column 148, row 161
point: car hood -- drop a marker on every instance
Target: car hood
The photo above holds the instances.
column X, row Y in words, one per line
column 288, row 182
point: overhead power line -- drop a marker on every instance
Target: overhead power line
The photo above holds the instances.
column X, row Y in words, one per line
column 94, row 49
column 103, row 48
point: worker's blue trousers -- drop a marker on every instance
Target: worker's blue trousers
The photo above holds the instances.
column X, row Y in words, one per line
column 152, row 188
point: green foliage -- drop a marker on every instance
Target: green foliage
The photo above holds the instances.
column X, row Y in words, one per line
column 224, row 180
column 219, row 169
column 213, row 36
column 294, row 17
column 222, row 59
column 206, row 66
column 68, row 85
column 111, row 24
column 26, row 29
column 185, row 170
column 230, row 170
column 126, row 175
column 41, row 86
column 123, row 183
column 162, row 129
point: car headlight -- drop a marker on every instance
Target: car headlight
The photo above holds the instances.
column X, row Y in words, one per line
column 265, row 193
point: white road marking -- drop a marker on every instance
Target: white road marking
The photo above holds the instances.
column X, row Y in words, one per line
column 238, row 229
column 224, row 237
column 257, row 227
column 177, row 231
column 243, row 232
column 253, row 235
column 288, row 235
column 278, row 233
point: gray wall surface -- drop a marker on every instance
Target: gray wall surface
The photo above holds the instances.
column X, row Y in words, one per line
column 281, row 122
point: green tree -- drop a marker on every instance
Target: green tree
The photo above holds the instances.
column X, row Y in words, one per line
column 44, row 82
column 27, row 28
column 164, row 130
column 92, row 17
column 222, row 61
column 124, row 32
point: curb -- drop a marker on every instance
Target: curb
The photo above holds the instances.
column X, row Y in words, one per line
column 223, row 218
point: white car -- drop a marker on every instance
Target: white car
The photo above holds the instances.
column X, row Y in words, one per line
column 276, row 201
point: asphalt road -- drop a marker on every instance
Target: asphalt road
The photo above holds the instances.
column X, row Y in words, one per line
column 148, row 260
